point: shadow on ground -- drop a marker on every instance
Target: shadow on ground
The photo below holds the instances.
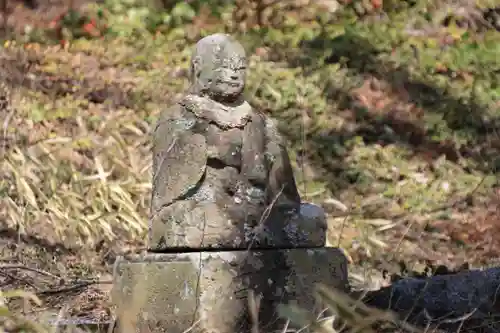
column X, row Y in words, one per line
column 405, row 119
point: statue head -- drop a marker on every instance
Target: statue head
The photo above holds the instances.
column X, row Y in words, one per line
column 218, row 68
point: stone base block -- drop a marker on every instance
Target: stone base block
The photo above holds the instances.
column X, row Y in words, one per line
column 220, row 292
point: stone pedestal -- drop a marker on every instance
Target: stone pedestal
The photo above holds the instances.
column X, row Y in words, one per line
column 212, row 291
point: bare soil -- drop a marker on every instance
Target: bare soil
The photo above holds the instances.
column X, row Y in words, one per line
column 37, row 14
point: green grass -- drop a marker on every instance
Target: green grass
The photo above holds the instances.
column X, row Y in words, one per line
column 76, row 163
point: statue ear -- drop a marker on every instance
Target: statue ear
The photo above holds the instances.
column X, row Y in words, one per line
column 195, row 67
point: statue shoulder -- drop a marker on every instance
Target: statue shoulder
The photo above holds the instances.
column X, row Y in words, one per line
column 179, row 157
column 174, row 118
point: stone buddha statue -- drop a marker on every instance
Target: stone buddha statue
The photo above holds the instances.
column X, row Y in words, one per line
column 222, row 177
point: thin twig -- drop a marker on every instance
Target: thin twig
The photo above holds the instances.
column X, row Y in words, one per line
column 73, row 287
column 253, row 309
column 26, row 268
column 265, row 215
column 14, row 278
column 189, row 329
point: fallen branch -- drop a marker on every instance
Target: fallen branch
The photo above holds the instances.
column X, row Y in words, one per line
column 465, row 301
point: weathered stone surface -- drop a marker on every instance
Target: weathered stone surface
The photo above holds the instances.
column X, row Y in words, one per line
column 188, row 224
column 209, row 291
column 179, row 159
column 222, row 177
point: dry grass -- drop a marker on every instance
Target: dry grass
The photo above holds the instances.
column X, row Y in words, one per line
column 75, row 181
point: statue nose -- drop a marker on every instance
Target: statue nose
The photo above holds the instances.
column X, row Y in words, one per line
column 234, row 76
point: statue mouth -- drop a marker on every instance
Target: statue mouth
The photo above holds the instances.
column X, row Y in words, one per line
column 232, row 84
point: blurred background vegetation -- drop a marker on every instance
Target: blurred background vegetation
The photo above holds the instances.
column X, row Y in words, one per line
column 391, row 109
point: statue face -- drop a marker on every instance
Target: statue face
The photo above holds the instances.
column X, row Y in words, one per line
column 229, row 76
column 219, row 68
